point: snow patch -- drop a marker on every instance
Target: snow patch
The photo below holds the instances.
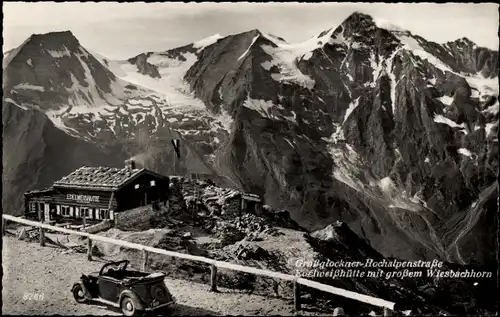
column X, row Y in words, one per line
column 225, row 120
column 285, row 57
column 338, row 39
column 353, row 105
column 122, row 111
column 446, row 100
column 384, row 24
column 221, row 97
column 386, row 185
column 59, row 54
column 171, row 85
column 249, row 47
column 392, row 77
column 201, row 44
column 441, row 119
column 264, row 107
column 377, row 67
column 489, row 127
column 411, row 44
column 464, row 152
column 345, row 168
column 307, row 56
column 336, row 136
column 56, row 119
column 266, row 65
column 493, row 109
column 26, row 86
column 483, row 86
column 15, row 103
column 286, row 61
column 29, row 62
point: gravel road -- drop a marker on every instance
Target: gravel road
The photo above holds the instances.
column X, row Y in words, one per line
column 29, row 268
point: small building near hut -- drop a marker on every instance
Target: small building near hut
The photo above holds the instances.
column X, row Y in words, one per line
column 97, row 193
column 237, row 204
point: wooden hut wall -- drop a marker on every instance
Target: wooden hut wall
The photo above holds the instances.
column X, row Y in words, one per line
column 142, row 191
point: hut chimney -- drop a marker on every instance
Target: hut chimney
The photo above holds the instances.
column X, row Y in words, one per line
column 130, row 164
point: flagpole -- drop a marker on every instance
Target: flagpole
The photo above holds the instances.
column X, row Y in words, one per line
column 174, row 162
column 175, row 143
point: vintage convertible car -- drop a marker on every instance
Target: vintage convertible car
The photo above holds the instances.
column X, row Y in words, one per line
column 132, row 291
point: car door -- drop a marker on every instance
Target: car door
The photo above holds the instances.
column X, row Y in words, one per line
column 108, row 288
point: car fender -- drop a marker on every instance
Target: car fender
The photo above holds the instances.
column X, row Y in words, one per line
column 138, row 302
column 86, row 292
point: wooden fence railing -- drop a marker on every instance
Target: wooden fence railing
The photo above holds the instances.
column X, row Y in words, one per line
column 387, row 305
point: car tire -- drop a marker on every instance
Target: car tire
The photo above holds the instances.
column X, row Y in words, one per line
column 128, row 306
column 79, row 294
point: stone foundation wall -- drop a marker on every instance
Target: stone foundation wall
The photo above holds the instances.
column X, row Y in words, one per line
column 137, row 219
column 101, row 226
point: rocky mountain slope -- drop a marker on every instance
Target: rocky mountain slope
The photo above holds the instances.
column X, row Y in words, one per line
column 365, row 123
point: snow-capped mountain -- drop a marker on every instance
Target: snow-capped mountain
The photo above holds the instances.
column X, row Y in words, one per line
column 365, row 123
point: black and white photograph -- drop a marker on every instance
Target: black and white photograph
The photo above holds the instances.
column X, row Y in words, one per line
column 250, row 159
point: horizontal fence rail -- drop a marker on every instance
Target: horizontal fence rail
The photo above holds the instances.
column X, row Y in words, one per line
column 217, row 264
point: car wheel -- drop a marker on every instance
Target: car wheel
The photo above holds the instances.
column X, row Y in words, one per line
column 128, row 306
column 79, row 294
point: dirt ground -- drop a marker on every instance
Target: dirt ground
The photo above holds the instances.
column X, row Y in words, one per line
column 29, row 268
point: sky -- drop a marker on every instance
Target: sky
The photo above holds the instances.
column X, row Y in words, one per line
column 123, row 30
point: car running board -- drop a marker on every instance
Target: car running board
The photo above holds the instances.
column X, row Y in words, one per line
column 105, row 301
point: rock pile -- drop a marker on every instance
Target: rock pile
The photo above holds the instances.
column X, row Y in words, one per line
column 247, row 251
column 227, row 233
column 252, row 224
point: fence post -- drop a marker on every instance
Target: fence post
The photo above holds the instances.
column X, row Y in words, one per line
column 387, row 312
column 4, row 226
column 89, row 249
column 42, row 236
column 296, row 294
column 213, row 278
column 144, row 259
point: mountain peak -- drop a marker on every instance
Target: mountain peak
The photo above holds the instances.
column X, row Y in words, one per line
column 367, row 21
column 58, row 35
column 358, row 21
column 66, row 33
column 357, row 15
column 463, row 41
column 54, row 40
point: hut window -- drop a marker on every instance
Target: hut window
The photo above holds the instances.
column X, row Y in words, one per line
column 32, row 207
column 104, row 214
column 65, row 211
column 152, row 183
column 84, row 212
column 136, row 186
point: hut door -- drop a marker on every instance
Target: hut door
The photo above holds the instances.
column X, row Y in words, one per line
column 46, row 212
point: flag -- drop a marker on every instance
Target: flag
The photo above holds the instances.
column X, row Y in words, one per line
column 175, row 143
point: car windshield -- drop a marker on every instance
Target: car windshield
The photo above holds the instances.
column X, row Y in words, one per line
column 117, row 266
